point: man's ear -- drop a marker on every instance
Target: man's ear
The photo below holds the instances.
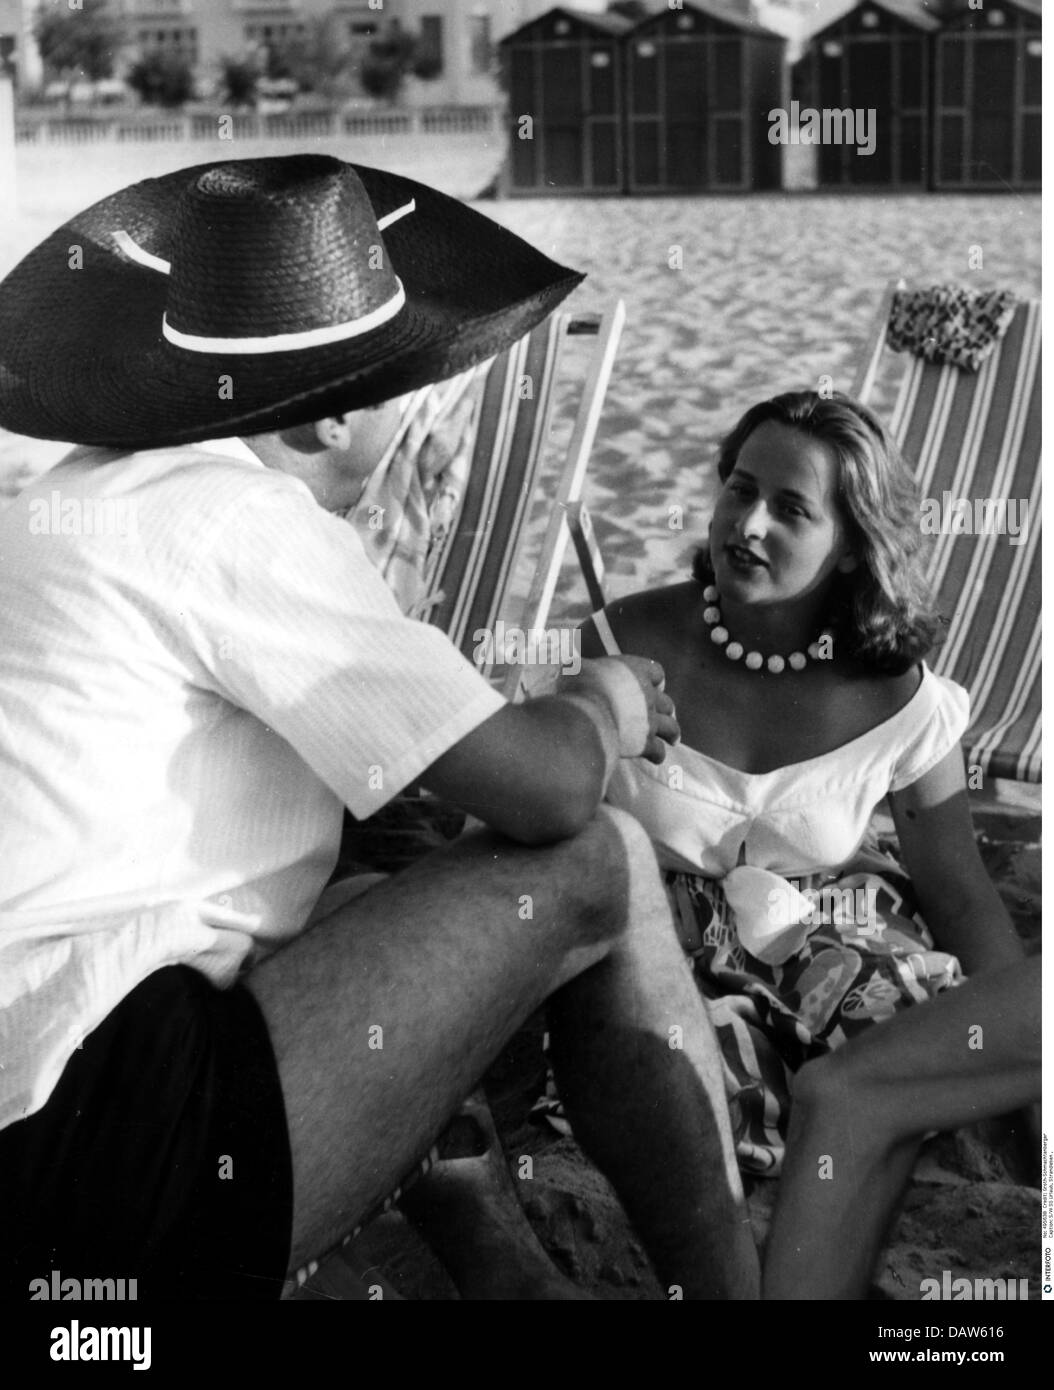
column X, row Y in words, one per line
column 334, row 432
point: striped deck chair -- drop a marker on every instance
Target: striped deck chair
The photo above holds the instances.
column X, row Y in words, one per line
column 477, row 574
column 976, row 435
column 473, row 576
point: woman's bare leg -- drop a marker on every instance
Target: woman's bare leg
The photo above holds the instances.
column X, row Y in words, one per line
column 859, row 1114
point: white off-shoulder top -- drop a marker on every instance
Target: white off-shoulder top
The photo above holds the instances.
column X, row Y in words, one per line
column 809, row 817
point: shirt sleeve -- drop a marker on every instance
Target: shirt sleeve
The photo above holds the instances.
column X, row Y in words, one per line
column 290, row 621
column 940, row 728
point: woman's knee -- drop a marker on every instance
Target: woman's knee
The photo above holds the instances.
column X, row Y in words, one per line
column 842, row 1093
column 820, row 1087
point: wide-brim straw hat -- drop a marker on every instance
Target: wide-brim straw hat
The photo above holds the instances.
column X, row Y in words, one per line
column 252, row 295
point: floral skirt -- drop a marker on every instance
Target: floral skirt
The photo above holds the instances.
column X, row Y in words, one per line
column 855, row 968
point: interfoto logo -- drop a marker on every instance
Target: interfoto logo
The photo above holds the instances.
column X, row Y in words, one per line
column 829, row 126
column 83, row 516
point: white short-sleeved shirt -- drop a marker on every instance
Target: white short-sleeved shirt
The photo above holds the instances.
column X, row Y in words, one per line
column 199, row 667
column 810, row 817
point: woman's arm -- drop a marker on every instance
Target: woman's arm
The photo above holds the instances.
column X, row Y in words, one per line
column 958, row 899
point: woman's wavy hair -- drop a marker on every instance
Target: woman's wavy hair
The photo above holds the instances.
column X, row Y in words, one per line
column 883, row 612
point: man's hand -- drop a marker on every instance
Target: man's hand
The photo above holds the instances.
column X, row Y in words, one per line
column 538, row 771
column 645, row 730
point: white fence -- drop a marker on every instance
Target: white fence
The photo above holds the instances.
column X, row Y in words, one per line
column 308, row 125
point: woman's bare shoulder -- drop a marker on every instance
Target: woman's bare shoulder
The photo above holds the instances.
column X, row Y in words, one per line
column 886, row 695
column 641, row 620
column 900, row 690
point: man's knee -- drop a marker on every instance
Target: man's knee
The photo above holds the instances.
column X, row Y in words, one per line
column 612, row 876
column 631, row 838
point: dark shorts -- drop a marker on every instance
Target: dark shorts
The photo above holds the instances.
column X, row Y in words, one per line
column 162, row 1154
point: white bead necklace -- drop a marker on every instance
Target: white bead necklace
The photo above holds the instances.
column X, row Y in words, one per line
column 754, row 661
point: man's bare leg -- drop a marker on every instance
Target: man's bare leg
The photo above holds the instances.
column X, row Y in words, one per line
column 859, row 1114
column 385, row 1015
column 639, row 1071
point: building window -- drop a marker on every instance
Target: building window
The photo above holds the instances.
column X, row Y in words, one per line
column 256, row 34
column 182, row 42
column 431, row 42
column 480, row 44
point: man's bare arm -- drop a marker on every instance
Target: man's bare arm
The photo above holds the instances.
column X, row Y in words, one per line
column 538, row 771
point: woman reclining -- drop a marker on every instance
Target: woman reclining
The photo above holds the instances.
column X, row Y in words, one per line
column 795, row 657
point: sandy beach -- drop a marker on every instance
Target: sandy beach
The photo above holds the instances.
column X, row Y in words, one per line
column 729, row 299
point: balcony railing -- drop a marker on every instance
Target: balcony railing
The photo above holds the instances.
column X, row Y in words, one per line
column 158, row 9
column 260, row 6
column 306, row 125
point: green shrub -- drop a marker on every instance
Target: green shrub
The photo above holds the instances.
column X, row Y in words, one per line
column 162, row 79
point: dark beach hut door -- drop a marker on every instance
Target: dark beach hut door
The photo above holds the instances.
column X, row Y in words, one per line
column 685, row 109
column 870, row 63
column 603, row 115
column 566, row 75
column 563, row 110
column 730, row 147
column 524, row 141
column 646, row 153
column 687, row 86
column 988, row 100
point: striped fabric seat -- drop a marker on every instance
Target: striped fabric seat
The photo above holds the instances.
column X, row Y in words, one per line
column 490, row 541
column 974, row 438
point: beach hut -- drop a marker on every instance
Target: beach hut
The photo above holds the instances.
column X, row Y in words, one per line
column 564, row 78
column 700, row 83
column 987, row 100
column 873, row 62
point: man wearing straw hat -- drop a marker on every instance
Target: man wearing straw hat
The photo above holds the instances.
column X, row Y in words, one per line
column 207, row 1076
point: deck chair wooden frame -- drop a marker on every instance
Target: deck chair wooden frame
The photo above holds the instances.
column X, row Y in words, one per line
column 972, row 435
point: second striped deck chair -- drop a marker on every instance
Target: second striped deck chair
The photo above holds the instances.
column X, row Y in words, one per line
column 974, row 438
column 477, row 575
